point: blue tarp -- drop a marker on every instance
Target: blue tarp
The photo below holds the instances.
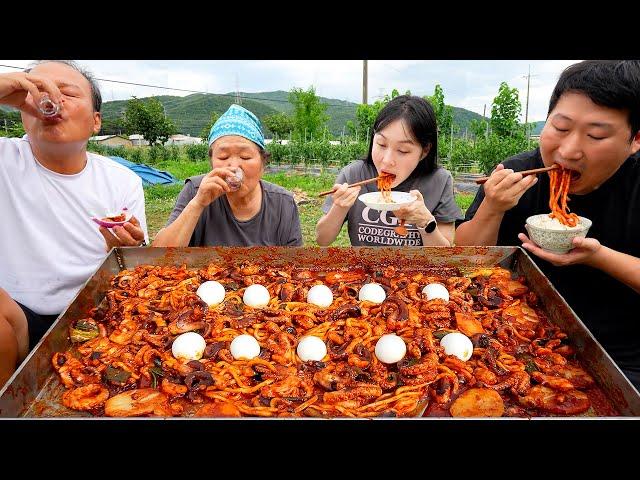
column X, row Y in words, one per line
column 149, row 175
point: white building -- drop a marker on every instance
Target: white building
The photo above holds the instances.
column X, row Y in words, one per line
column 267, row 141
column 138, row 140
column 112, row 140
column 183, row 140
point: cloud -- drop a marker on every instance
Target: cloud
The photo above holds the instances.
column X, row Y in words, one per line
column 470, row 84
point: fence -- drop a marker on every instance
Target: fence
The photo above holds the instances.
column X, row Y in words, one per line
column 317, row 153
column 458, row 156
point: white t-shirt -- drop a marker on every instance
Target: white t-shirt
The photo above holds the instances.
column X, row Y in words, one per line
column 49, row 246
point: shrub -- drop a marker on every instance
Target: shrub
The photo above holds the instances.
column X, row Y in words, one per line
column 197, row 153
column 136, row 155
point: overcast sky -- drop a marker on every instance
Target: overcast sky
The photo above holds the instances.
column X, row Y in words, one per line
column 470, row 84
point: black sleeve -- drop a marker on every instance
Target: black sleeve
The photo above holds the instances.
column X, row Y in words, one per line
column 473, row 208
column 512, row 222
column 519, row 162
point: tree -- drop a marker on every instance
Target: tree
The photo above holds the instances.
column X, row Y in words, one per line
column 149, row 120
column 279, row 124
column 204, row 133
column 112, row 126
column 505, row 111
column 366, row 115
column 478, row 127
column 309, row 117
column 394, row 94
column 444, row 113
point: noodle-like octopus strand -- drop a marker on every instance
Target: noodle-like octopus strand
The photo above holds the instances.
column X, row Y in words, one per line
column 560, row 180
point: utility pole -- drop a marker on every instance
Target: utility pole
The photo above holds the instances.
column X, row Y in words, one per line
column 484, row 112
column 238, row 99
column 451, row 147
column 364, row 82
column 526, row 110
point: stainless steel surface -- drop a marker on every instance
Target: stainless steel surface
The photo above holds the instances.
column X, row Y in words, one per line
column 35, row 391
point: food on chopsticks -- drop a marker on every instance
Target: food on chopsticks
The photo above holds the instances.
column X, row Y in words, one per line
column 385, row 180
column 560, row 181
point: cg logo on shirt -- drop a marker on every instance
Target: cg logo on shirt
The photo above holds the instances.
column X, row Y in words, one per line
column 385, row 217
column 378, row 228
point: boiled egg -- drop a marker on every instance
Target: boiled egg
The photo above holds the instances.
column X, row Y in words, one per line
column 320, row 295
column 311, row 348
column 436, row 290
column 457, row 344
column 244, row 347
column 188, row 346
column 211, row 293
column 390, row 348
column 256, row 296
column 372, row 292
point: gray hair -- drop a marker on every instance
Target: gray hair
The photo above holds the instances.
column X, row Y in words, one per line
column 96, row 96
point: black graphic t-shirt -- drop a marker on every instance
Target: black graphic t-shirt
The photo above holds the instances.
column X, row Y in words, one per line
column 369, row 227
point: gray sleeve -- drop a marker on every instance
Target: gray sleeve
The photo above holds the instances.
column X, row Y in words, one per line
column 328, row 203
column 186, row 195
column 294, row 237
column 447, row 210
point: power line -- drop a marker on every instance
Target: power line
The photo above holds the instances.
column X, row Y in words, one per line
column 234, row 95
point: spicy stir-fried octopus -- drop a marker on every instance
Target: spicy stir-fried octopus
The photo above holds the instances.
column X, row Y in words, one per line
column 559, row 182
column 121, row 364
column 385, row 180
column 115, row 218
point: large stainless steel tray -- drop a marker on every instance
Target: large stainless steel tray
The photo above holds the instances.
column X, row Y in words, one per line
column 34, row 389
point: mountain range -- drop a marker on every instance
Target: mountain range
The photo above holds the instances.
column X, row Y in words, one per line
column 193, row 112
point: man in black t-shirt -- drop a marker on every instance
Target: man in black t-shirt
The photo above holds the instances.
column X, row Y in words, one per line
column 593, row 129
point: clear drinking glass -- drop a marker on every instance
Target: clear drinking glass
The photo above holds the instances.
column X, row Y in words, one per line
column 47, row 107
column 235, row 181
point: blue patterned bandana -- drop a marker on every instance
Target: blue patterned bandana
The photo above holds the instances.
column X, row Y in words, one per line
column 238, row 121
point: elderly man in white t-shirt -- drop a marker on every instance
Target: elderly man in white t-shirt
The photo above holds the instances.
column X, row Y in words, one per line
column 49, row 187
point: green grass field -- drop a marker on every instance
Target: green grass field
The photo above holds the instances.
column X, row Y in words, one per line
column 160, row 199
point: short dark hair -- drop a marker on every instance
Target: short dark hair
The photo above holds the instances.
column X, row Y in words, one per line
column 96, row 96
column 421, row 120
column 608, row 83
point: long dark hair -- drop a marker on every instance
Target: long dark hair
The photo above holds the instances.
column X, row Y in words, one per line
column 419, row 115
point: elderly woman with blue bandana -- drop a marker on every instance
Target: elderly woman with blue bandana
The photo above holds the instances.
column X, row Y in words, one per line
column 232, row 205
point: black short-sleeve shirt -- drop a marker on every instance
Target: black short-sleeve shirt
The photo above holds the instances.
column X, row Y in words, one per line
column 609, row 308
